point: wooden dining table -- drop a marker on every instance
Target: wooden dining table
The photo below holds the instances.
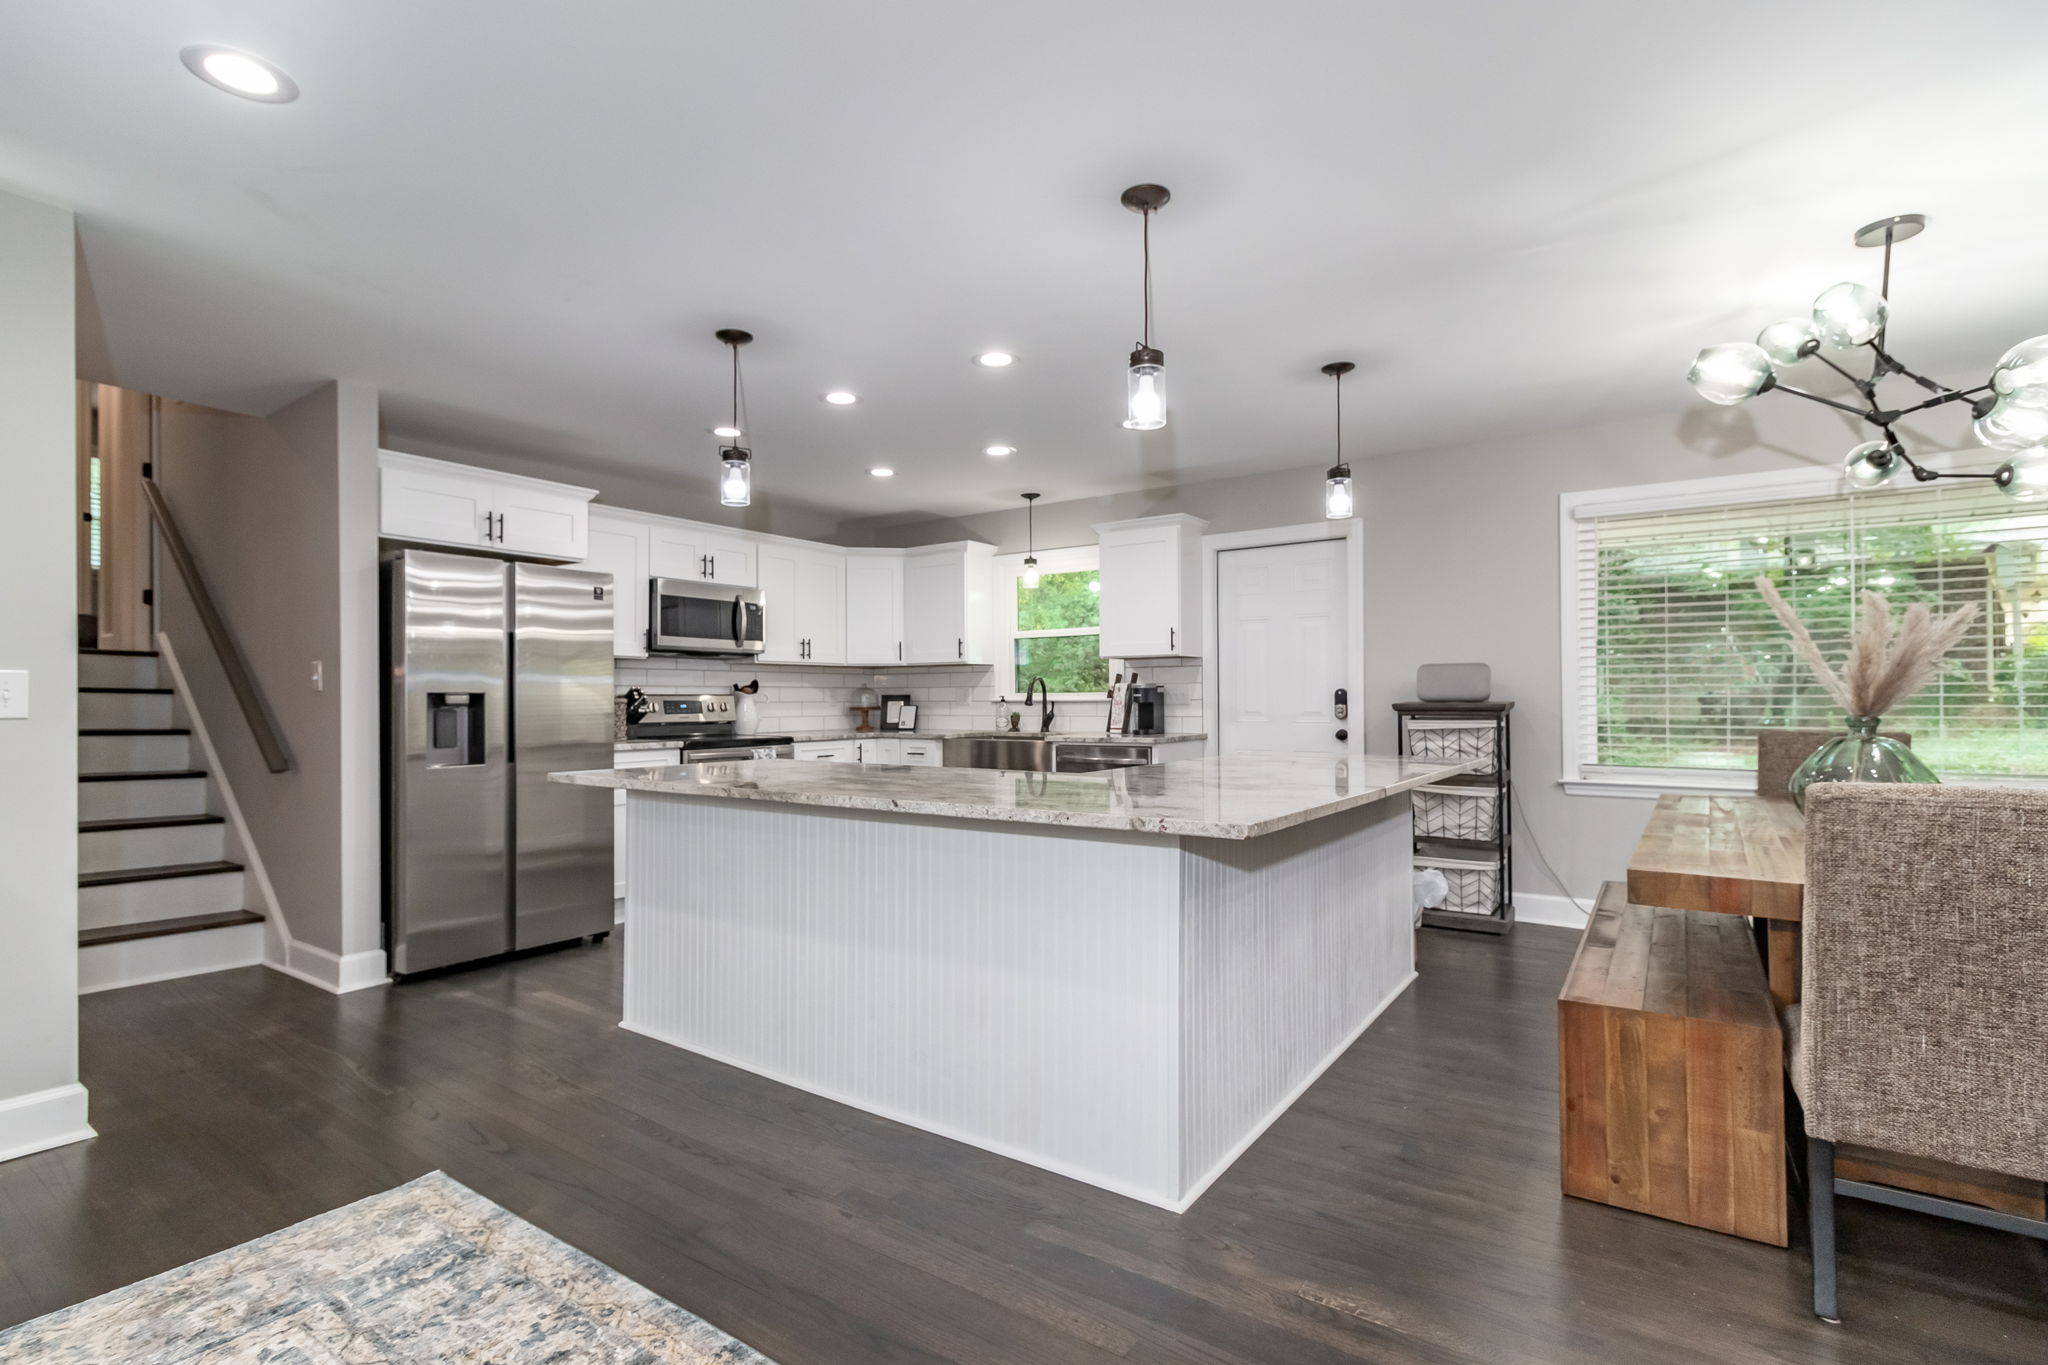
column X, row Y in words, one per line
column 1732, row 855
column 1746, row 855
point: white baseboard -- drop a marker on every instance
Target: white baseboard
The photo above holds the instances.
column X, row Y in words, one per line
column 1531, row 908
column 43, row 1119
column 331, row 972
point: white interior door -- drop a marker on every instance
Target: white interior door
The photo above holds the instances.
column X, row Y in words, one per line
column 1285, row 623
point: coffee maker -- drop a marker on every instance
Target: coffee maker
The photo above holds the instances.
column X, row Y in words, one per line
column 1148, row 709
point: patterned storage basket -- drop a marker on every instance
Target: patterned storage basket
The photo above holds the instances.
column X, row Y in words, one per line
column 1475, row 886
column 1451, row 739
column 1455, row 812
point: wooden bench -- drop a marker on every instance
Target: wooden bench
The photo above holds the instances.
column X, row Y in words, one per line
column 1671, row 1070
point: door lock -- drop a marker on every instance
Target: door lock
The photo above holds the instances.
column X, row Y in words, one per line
column 1343, row 706
column 1343, row 735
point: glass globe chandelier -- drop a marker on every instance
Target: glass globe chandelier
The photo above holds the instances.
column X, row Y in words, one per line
column 2011, row 408
column 735, row 462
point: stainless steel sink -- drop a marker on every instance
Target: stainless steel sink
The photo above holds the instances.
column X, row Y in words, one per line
column 1014, row 753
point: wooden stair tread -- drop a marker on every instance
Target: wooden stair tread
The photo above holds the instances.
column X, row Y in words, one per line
column 162, row 872
column 142, row 691
column 157, row 928
column 123, row 653
column 138, row 730
column 147, row 822
column 147, row 775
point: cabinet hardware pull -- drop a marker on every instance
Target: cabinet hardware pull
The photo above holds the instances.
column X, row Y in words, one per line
column 714, row 566
column 899, row 651
column 1171, row 641
column 501, row 528
column 960, row 647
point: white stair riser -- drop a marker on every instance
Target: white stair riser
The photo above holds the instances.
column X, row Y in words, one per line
column 108, row 849
column 139, row 800
column 117, row 670
column 162, row 898
column 124, row 711
column 109, row 965
column 133, row 753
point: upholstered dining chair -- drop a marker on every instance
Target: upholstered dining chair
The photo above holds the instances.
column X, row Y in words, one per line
column 1923, row 1024
column 1780, row 752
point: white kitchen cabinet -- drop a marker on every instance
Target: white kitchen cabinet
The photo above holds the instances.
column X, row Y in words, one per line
column 874, row 607
column 1151, row 573
column 946, row 611
column 921, row 753
column 833, row 751
column 692, row 550
column 630, row 758
column 618, row 546
column 439, row 503
column 804, row 591
column 874, row 750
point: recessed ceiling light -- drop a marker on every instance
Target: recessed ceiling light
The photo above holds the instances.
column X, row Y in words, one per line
column 882, row 471
column 239, row 73
column 995, row 360
column 840, row 397
column 728, row 432
column 999, row 450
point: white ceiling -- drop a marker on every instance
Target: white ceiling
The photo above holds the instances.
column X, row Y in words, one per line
column 523, row 219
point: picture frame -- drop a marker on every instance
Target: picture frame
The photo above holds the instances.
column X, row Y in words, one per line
column 892, row 709
column 906, row 718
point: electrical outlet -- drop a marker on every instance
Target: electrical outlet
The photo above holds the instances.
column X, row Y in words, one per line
column 13, row 694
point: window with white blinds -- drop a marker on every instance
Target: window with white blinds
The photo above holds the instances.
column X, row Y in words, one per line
column 1679, row 662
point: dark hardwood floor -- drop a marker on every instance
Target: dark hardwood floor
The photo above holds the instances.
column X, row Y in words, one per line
column 1406, row 1209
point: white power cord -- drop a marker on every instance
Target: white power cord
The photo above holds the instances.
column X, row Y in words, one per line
column 1529, row 830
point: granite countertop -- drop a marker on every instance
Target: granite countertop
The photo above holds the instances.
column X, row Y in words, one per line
column 833, row 736
column 1240, row 796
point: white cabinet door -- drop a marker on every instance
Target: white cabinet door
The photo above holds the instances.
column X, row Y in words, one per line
column 676, row 550
column 730, row 558
column 821, row 605
column 836, row 751
column 881, row 751
column 780, row 603
column 946, row 604
column 1151, row 572
column 874, row 609
column 437, row 505
column 619, row 548
column 542, row 522
column 921, row 753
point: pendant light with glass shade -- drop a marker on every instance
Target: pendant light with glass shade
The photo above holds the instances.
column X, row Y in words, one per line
column 1338, row 503
column 1030, row 575
column 2011, row 409
column 1145, row 387
column 736, row 462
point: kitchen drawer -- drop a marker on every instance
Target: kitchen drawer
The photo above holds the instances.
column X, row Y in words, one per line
column 923, row 753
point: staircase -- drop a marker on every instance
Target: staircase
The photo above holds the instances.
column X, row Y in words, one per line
column 158, row 894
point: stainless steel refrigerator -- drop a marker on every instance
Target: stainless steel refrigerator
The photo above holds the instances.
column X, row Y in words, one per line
column 499, row 674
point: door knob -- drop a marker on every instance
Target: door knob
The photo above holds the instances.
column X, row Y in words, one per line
column 1343, row 735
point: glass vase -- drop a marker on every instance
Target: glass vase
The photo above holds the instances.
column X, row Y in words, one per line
column 1860, row 755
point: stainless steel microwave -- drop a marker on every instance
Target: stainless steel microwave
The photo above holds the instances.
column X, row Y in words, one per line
column 689, row 617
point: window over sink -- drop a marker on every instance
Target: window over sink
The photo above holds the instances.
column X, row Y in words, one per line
column 1051, row 631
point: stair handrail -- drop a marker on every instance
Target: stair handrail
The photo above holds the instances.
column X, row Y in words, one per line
column 240, row 680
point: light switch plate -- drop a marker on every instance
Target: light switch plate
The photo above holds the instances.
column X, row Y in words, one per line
column 13, row 694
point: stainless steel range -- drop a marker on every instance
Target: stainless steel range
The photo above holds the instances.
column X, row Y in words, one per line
column 701, row 727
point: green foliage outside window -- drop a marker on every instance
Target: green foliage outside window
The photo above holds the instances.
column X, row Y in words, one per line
column 1061, row 601
column 1068, row 662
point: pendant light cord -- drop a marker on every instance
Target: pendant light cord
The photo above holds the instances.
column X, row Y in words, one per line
column 1146, row 216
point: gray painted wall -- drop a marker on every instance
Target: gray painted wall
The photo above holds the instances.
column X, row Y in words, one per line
column 281, row 515
column 38, row 632
column 1462, row 563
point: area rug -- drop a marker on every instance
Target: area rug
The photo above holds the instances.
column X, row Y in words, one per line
column 430, row 1271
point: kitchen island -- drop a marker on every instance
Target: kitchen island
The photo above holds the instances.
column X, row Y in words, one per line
column 1123, row 976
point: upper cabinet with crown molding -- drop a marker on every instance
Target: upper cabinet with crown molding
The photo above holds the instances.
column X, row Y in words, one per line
column 434, row 502
column 1151, row 572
